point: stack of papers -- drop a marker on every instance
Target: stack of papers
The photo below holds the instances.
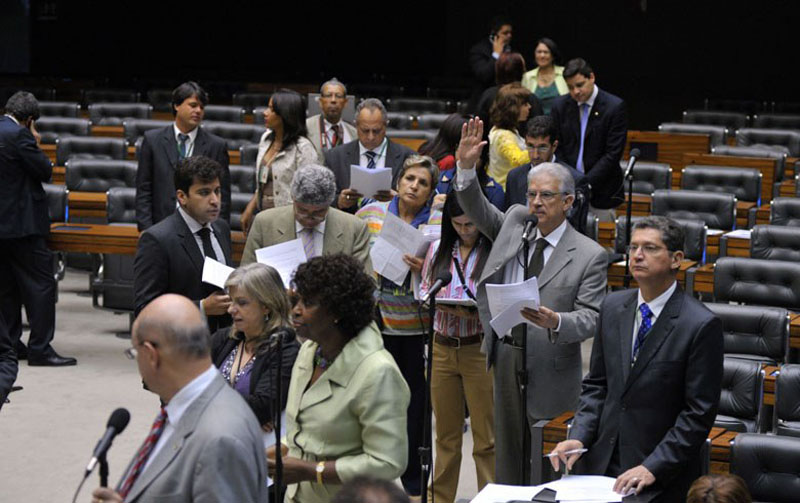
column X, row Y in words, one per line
column 284, row 257
column 396, row 239
column 506, row 302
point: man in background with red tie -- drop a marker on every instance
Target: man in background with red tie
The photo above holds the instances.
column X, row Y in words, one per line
column 328, row 130
column 205, row 444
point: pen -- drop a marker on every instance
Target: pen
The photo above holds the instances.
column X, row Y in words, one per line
column 571, row 451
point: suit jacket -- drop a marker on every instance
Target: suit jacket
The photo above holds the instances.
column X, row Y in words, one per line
column 155, row 185
column 572, row 283
column 606, row 133
column 313, row 127
column 168, row 260
column 659, row 411
column 342, row 157
column 344, row 233
column 23, row 168
column 215, row 453
column 355, row 414
column 517, row 183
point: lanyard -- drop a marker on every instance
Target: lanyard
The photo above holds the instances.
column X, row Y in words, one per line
column 461, row 273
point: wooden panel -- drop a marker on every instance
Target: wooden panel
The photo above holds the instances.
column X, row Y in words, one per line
column 788, row 170
column 742, row 211
column 794, row 331
column 412, row 143
column 108, row 131
column 87, row 204
column 765, row 165
column 606, row 232
column 671, row 146
column 788, row 188
column 762, row 214
column 234, row 155
column 50, row 150
column 769, row 384
column 642, row 206
column 712, row 245
column 704, row 279
column 738, row 247
column 59, row 175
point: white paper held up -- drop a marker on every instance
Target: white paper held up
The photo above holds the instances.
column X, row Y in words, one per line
column 396, row 239
column 284, row 257
column 215, row 273
column 370, row 181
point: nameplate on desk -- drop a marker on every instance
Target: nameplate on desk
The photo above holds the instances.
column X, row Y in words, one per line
column 69, row 228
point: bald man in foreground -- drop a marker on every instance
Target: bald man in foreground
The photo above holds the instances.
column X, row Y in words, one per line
column 205, row 444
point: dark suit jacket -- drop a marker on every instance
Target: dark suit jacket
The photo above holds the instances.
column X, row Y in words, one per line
column 657, row 413
column 168, row 260
column 264, row 371
column 155, row 186
column 517, row 183
column 606, row 132
column 23, row 168
column 340, row 159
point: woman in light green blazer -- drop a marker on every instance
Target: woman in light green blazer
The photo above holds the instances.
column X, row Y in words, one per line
column 346, row 412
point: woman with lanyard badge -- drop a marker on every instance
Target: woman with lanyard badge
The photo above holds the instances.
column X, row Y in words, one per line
column 459, row 368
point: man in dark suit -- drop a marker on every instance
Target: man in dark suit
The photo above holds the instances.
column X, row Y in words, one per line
column 483, row 56
column 371, row 150
column 653, row 387
column 170, row 255
column 26, row 264
column 592, row 129
column 163, row 148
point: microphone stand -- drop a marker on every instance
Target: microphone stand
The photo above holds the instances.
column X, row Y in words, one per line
column 522, row 378
column 103, row 470
column 425, row 458
column 276, row 411
column 626, row 281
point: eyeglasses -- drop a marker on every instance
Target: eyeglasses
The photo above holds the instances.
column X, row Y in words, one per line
column 545, row 195
column 646, row 249
column 542, row 149
column 311, row 215
column 131, row 352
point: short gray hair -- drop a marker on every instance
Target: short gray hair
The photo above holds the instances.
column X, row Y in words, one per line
column 373, row 104
column 566, row 183
column 421, row 161
column 333, row 82
column 314, row 184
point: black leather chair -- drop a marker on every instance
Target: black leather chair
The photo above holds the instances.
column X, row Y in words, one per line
column 740, row 151
column 786, row 138
column 694, row 237
column 249, row 101
column 400, row 120
column 59, row 109
column 418, row 105
column 99, row 175
column 592, row 225
column 239, row 202
column 769, row 466
column 786, row 416
column 248, row 154
column 258, row 115
column 57, row 196
column 757, row 282
column 776, row 121
column 717, row 210
column 411, row 134
column 775, row 242
column 754, row 333
column 717, row 134
column 112, row 287
column 741, row 396
column 90, row 147
column 730, row 120
column 243, row 179
column 114, row 114
column 160, row 99
column 109, row 96
column 134, row 129
column 431, row 120
column 223, row 113
column 649, row 176
column 744, row 183
column 53, row 128
column 235, row 135
column 785, row 211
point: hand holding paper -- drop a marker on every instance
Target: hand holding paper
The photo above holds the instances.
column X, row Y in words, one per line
column 284, row 257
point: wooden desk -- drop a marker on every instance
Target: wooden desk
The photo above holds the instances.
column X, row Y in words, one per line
column 769, row 384
column 765, row 165
column 50, row 150
column 671, row 146
column 704, row 279
column 59, row 175
column 738, row 247
column 788, row 188
column 87, row 204
column 605, row 234
column 108, row 131
column 642, row 206
column 721, row 451
column 616, row 274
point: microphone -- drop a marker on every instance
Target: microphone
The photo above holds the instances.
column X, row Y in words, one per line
column 531, row 221
column 442, row 280
column 116, row 425
column 634, row 156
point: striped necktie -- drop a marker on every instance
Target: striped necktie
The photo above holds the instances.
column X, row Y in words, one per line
column 307, row 236
column 370, row 159
column 144, row 453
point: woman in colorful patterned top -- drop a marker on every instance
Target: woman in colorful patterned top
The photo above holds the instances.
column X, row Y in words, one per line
column 459, row 368
column 402, row 327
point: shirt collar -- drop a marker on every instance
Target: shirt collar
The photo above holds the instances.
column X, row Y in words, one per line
column 320, row 227
column 591, row 99
column 657, row 305
column 192, row 134
column 184, row 398
column 329, row 125
column 554, row 237
column 193, row 224
column 13, row 118
column 380, row 150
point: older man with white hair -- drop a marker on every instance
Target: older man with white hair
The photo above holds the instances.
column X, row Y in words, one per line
column 322, row 229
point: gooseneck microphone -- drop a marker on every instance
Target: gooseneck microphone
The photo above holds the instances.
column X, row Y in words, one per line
column 634, row 156
column 116, row 425
column 531, row 221
column 442, row 280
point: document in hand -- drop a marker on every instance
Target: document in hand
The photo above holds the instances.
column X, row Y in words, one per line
column 215, row 273
column 396, row 239
column 284, row 257
column 506, row 302
column 370, row 181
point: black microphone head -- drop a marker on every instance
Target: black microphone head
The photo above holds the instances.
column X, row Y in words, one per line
column 531, row 219
column 119, row 419
column 445, row 277
column 634, row 153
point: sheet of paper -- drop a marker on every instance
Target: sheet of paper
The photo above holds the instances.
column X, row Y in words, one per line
column 284, row 257
column 575, row 488
column 506, row 301
column 215, row 273
column 396, row 239
column 269, row 439
column 714, row 232
column 388, row 261
column 739, row 233
column 494, row 493
column 369, row 181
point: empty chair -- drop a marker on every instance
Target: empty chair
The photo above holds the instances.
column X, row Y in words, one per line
column 223, row 113
column 235, row 135
column 754, row 333
column 741, row 151
column 134, row 129
column 418, row 105
column 411, row 134
column 431, row 120
column 717, row 210
column 649, row 176
column 744, row 183
column 730, row 120
column 786, row 138
column 740, row 397
column 90, row 148
column 53, row 128
column 757, row 282
column 99, row 175
column 776, row 121
column 113, row 114
column 775, row 242
column 769, row 465
column 112, row 288
column 59, row 109
column 121, row 205
column 717, row 134
column 399, row 120
column 592, row 225
column 239, row 202
column 786, row 417
column 243, row 179
column 248, row 154
column 56, row 201
column 694, row 237
column 250, row 101
column 109, row 96
column 160, row 99
column 785, row 211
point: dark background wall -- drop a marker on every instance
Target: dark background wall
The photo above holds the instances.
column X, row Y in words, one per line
column 660, row 56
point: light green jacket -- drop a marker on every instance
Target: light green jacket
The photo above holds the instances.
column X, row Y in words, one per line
column 529, row 80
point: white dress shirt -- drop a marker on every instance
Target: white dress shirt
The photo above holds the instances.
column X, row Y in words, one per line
column 329, row 132
column 195, row 226
column 656, row 306
column 189, row 143
column 380, row 157
column 319, row 235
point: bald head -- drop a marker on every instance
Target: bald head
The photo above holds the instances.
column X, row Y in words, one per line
column 176, row 324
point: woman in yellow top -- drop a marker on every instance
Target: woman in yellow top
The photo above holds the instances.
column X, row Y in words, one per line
column 546, row 81
column 506, row 147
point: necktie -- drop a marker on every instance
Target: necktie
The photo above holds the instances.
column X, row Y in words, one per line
column 144, row 453
column 182, row 146
column 645, row 326
column 537, row 260
column 337, row 134
column 584, row 120
column 307, row 236
column 205, row 237
column 370, row 159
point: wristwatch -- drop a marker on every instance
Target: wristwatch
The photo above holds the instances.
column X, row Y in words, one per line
column 320, row 468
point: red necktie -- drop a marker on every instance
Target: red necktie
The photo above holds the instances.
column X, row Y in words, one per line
column 144, row 453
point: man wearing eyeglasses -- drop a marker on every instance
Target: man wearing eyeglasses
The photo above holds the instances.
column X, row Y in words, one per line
column 653, row 387
column 571, row 272
column 328, row 130
column 321, row 229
